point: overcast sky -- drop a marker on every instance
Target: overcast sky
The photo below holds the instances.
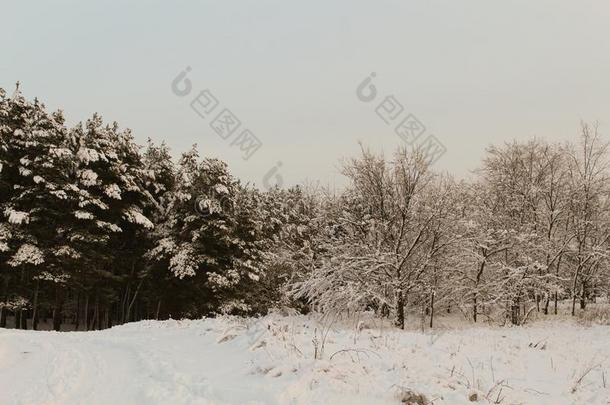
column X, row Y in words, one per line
column 473, row 72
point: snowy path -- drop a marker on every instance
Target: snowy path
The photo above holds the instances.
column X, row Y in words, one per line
column 121, row 366
column 270, row 361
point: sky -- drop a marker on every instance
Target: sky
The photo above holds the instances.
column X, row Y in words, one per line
column 473, row 73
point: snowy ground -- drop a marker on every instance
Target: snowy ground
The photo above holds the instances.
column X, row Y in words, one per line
column 271, row 361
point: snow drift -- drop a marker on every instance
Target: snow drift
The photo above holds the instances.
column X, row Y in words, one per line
column 302, row 360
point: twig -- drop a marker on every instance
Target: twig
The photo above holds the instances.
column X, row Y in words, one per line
column 363, row 351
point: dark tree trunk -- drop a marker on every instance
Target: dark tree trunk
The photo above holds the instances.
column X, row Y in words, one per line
column 86, row 313
column 98, row 321
column 108, row 317
column 400, row 310
column 35, row 307
column 95, row 322
column 475, row 309
column 583, row 296
column 514, row 318
column 77, row 315
column 124, row 304
column 573, row 303
column 57, row 309
column 133, row 300
column 3, row 310
column 385, row 310
column 556, row 295
column 515, row 312
column 432, row 310
column 159, row 309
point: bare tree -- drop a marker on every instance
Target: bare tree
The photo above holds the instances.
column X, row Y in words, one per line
column 588, row 180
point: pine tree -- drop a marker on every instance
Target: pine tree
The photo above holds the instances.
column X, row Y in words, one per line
column 110, row 226
column 38, row 166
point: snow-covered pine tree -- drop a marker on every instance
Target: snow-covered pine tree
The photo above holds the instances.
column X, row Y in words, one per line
column 160, row 179
column 38, row 166
column 110, row 227
column 211, row 242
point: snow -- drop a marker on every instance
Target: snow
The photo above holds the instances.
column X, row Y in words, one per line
column 136, row 217
column 108, row 226
column 27, row 253
column 24, row 172
column 83, row 215
column 183, row 263
column 60, row 152
column 113, row 191
column 46, row 276
column 221, row 189
column 17, row 217
column 271, row 361
column 87, row 155
column 88, row 177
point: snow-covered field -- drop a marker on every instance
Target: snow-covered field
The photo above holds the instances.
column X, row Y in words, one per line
column 271, row 361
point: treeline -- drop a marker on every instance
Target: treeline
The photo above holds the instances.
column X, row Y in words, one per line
column 532, row 229
column 96, row 231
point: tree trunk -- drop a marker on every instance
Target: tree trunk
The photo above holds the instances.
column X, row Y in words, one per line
column 59, row 302
column 400, row 310
column 474, row 308
column 515, row 312
column 574, row 281
column 573, row 304
column 385, row 310
column 77, row 317
column 86, row 313
column 96, row 314
column 514, row 318
column 109, row 319
column 35, row 307
column 432, row 309
column 583, row 296
column 3, row 310
column 133, row 300
column 99, row 314
column 93, row 321
column 124, row 302
column 159, row 310
column 107, row 322
column 556, row 295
